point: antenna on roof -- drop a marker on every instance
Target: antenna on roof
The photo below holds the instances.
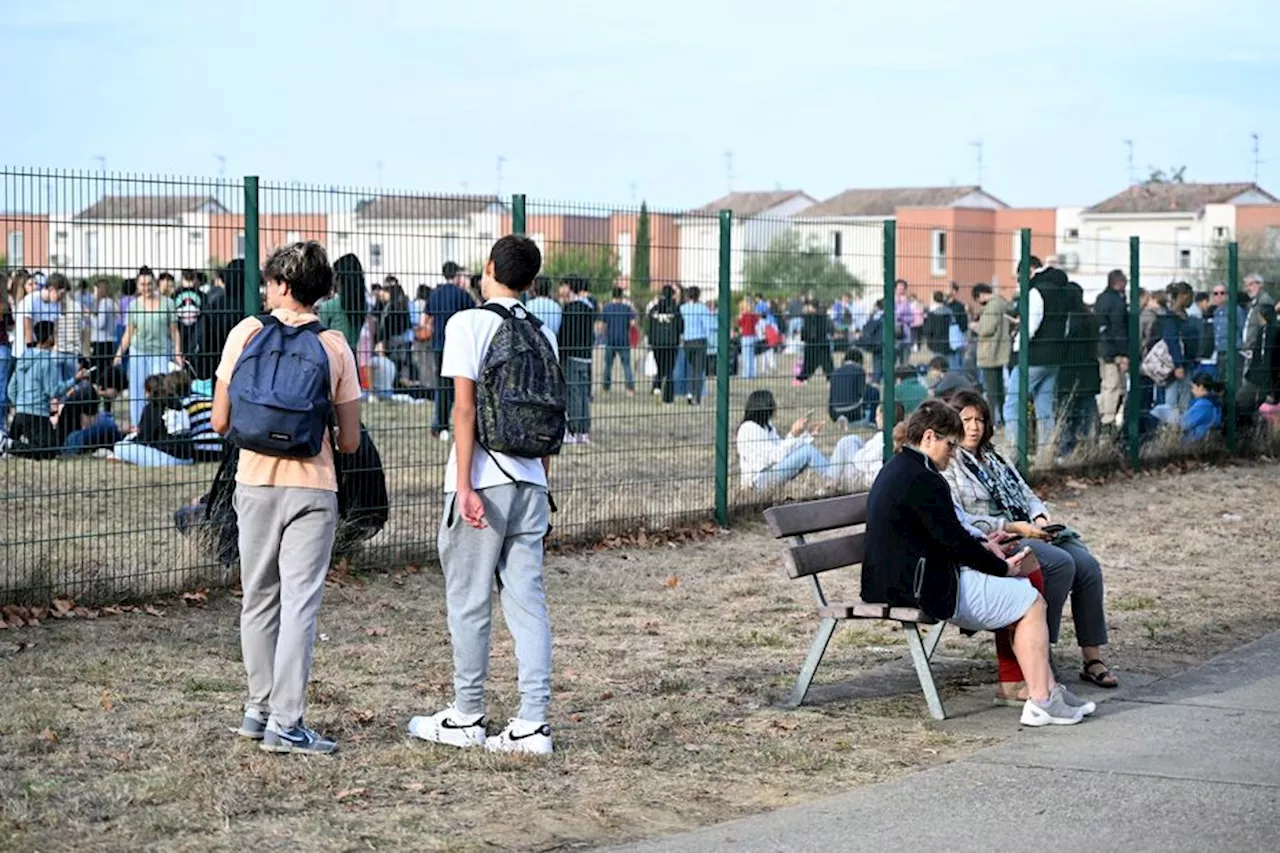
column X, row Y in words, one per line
column 977, row 146
column 728, row 169
column 1129, row 144
column 1257, row 158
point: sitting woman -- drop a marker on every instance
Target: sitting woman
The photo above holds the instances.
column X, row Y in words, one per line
column 765, row 459
column 153, row 445
column 1203, row 416
column 994, row 497
column 856, row 462
column 191, row 414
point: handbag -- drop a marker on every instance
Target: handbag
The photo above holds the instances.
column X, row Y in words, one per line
column 650, row 365
column 1157, row 364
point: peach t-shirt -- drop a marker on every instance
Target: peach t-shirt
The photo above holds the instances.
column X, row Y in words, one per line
column 258, row 469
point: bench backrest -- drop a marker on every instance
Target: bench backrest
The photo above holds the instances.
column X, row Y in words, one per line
column 798, row 520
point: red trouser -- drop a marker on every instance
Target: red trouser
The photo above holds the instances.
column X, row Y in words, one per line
column 1006, row 663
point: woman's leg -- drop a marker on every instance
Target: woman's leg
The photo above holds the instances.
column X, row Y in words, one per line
column 146, row 456
column 1059, row 578
column 1087, row 593
column 748, row 357
column 1009, row 673
column 803, row 455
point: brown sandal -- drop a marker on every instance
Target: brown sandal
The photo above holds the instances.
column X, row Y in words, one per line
column 1106, row 678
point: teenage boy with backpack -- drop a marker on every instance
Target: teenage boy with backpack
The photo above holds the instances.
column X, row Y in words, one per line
column 281, row 384
column 508, row 419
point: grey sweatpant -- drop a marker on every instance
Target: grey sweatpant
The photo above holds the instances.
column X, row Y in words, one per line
column 286, row 536
column 1070, row 570
column 509, row 548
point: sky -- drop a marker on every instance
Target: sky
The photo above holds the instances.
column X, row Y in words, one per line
column 611, row 103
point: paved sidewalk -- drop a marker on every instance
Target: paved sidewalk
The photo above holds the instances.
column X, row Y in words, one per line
column 1188, row 763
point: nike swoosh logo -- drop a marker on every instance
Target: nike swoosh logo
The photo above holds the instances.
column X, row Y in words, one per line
column 544, row 730
column 449, row 724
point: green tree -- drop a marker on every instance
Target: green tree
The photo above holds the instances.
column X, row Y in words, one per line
column 1258, row 255
column 791, row 266
column 640, row 256
column 598, row 264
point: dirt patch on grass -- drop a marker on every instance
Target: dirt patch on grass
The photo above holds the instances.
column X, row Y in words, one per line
column 669, row 667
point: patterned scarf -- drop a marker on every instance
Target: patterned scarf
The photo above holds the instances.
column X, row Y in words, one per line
column 1001, row 481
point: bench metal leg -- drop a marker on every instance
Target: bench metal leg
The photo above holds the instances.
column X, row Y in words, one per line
column 920, row 654
column 932, row 638
column 816, row 651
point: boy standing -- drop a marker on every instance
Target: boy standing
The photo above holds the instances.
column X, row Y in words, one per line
column 287, row 502
column 495, row 519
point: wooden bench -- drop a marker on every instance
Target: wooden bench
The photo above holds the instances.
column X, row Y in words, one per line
column 806, row 559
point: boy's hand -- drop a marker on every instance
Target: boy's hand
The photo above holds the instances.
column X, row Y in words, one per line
column 472, row 508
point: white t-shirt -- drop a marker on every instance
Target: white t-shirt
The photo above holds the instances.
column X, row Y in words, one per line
column 470, row 333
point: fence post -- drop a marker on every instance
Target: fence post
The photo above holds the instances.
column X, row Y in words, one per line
column 1132, row 398
column 889, row 334
column 518, row 221
column 1024, row 347
column 1233, row 342
column 252, row 252
column 724, row 310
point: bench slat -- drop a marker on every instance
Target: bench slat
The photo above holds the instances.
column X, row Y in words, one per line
column 911, row 614
column 812, row 558
column 852, row 610
column 798, row 519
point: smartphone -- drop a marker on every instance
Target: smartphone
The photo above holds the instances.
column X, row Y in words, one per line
column 1054, row 529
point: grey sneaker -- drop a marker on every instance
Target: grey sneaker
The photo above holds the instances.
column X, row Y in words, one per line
column 1058, row 713
column 296, row 739
column 1073, row 701
column 254, row 726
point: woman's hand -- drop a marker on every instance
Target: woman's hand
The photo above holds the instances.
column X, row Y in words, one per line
column 1025, row 530
column 798, row 428
column 118, row 360
column 1022, row 564
column 1042, row 521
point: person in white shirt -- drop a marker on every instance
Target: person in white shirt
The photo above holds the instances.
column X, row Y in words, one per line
column 856, row 462
column 764, row 458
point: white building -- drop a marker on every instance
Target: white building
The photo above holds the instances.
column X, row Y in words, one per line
column 412, row 237
column 119, row 234
column 758, row 217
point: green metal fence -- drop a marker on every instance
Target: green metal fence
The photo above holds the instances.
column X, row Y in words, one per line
column 664, row 434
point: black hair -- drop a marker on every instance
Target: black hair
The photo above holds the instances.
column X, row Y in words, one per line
column 904, row 371
column 516, row 261
column 165, row 276
column 937, row 416
column 1115, row 276
column 1201, row 296
column 351, row 290
column 1035, row 263
column 759, row 408
column 44, row 331
column 450, row 270
column 542, row 285
column 693, row 293
column 1208, row 382
column 57, row 281
column 390, row 280
column 424, row 291
column 304, row 266
column 939, row 297
column 981, row 289
column 188, row 275
column 144, row 270
column 200, row 277
column 939, row 362
column 619, row 293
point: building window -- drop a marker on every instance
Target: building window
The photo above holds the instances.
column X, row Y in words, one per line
column 13, row 249
column 60, row 236
column 91, row 248
column 239, row 253
column 1182, row 245
column 625, row 253
column 837, row 244
column 375, row 255
column 451, row 248
column 938, row 253
column 1221, row 232
column 195, row 238
column 1184, row 259
column 1071, row 235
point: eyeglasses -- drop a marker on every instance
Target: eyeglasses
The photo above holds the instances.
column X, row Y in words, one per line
column 1219, row 293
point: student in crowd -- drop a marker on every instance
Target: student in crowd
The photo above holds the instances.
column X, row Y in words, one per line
column 1046, row 333
column 576, row 340
column 619, row 318
column 39, row 304
column 665, row 329
column 287, row 505
column 72, row 339
column 395, row 331
column 93, row 429
column 856, row 462
column 1111, row 315
column 995, row 498
column 918, row 554
column 908, row 389
column 936, row 332
column 994, row 342
column 6, row 348
column 1262, row 362
column 188, row 302
column 815, row 334
column 36, row 387
column 223, row 307
column 344, row 311
column 697, row 331
column 765, row 459
column 548, row 311
column 942, row 380
column 382, row 373
column 446, row 300
column 1202, row 417
column 748, row 320
column 1079, row 378
column 848, row 395
column 191, row 413
column 424, row 366
column 496, row 517
column 155, row 444
column 150, row 338
column 102, row 335
column 1258, row 299
column 1177, row 331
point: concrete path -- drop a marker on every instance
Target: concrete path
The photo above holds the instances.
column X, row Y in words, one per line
column 1188, row 763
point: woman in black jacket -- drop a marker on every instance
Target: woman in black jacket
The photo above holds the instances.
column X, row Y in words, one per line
column 1262, row 369
column 918, row 554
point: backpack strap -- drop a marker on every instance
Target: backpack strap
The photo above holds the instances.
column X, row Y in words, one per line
column 507, row 314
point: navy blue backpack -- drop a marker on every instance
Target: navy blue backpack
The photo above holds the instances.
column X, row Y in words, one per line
column 279, row 392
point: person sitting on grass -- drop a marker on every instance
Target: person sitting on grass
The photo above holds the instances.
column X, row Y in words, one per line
column 1202, row 417
column 154, row 445
column 909, row 390
column 918, row 554
column 849, row 397
column 856, row 462
column 37, row 384
column 764, row 458
column 93, row 428
column 382, row 372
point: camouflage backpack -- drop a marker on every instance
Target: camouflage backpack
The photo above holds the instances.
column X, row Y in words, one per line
column 520, row 398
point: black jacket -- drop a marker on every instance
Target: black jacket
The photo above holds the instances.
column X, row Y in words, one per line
column 1112, row 315
column 577, row 330
column 1264, row 361
column 1047, row 342
column 915, row 543
column 1080, row 375
column 665, row 324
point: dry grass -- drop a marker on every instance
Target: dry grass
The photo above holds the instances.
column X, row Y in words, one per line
column 665, row 694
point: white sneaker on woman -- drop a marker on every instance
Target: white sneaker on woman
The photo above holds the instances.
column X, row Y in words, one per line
column 1056, row 713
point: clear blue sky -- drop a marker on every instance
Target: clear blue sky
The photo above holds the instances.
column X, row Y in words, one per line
column 586, row 99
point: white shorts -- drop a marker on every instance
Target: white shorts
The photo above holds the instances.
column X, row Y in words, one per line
column 986, row 602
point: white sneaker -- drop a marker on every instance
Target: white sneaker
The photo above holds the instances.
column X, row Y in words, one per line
column 1073, row 701
column 584, row 439
column 449, row 727
column 1059, row 713
column 569, row 438
column 444, row 436
column 522, row 736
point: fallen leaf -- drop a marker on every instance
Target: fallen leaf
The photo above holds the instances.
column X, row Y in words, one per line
column 605, row 696
column 111, row 611
column 570, row 675
column 85, row 613
column 350, row 792
column 413, row 786
column 672, row 582
column 153, row 610
column 49, row 736
column 197, row 598
column 105, row 701
column 62, row 606
column 364, row 716
column 377, row 632
column 39, row 612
